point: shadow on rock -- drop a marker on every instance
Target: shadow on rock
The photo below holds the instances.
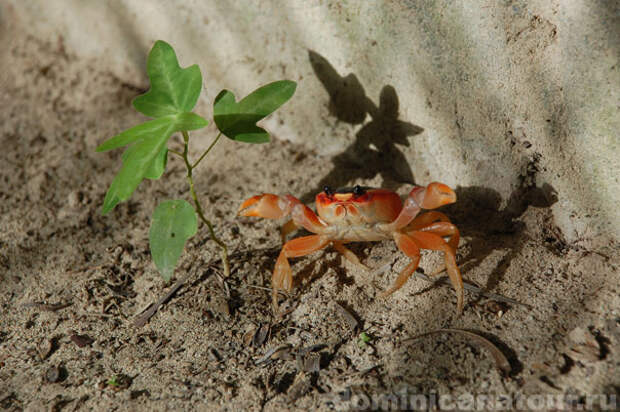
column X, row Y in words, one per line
column 374, row 151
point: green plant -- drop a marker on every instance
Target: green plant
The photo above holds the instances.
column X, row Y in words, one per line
column 170, row 100
column 113, row 381
column 363, row 339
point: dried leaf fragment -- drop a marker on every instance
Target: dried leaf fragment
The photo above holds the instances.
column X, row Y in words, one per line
column 311, row 362
column 82, row 340
column 261, row 335
column 301, row 385
column 280, row 352
column 348, row 317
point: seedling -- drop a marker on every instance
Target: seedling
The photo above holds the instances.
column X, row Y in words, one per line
column 113, row 381
column 170, row 100
column 118, row 382
column 363, row 339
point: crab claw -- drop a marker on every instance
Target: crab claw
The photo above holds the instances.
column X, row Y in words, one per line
column 246, row 210
column 436, row 195
column 265, row 205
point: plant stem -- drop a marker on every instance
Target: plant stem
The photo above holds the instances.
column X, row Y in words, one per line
column 207, row 151
column 175, row 152
column 190, row 179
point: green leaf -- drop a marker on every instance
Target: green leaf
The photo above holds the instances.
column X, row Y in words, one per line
column 237, row 121
column 157, row 167
column 268, row 98
column 173, row 89
column 174, row 221
column 147, row 157
column 136, row 164
column 190, row 121
column 134, row 134
column 183, row 121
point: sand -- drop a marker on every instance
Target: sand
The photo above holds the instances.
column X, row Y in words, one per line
column 73, row 281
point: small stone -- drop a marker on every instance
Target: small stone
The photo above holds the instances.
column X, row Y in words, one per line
column 579, row 335
column 45, row 349
column 53, row 374
column 74, row 199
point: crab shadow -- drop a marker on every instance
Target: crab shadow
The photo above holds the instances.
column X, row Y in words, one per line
column 478, row 216
column 375, row 149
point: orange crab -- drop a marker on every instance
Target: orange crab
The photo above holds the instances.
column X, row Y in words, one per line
column 360, row 214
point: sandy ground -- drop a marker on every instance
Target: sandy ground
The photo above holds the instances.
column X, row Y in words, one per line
column 73, row 281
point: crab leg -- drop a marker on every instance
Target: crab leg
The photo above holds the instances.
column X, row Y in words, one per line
column 409, row 248
column 348, row 254
column 444, row 229
column 274, row 207
column 430, row 197
column 282, row 274
column 432, row 241
column 286, row 229
column 426, row 219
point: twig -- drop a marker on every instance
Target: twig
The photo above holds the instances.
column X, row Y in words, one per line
column 280, row 291
column 145, row 315
column 500, row 359
column 223, row 284
column 142, row 319
column 48, row 307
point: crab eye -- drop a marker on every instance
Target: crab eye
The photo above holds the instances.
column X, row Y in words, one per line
column 358, row 190
column 328, row 190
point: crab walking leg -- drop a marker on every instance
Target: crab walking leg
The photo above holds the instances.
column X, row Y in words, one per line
column 286, row 229
column 274, row 207
column 444, row 229
column 432, row 241
column 430, row 197
column 282, row 274
column 426, row 219
column 348, row 254
column 409, row 248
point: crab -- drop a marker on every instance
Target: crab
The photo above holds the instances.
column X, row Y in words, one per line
column 361, row 214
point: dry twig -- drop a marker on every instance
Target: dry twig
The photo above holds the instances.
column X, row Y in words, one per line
column 500, row 359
